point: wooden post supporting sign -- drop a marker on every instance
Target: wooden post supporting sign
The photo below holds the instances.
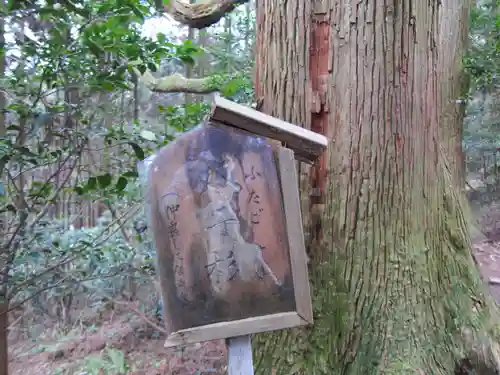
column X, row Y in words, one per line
column 239, row 355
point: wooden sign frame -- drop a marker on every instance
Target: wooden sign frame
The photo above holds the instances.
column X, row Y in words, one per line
column 308, row 146
column 298, row 260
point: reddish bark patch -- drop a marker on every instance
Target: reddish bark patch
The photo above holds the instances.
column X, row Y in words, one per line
column 404, row 70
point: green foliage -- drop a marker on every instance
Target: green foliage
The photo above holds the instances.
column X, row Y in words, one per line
column 481, row 136
column 111, row 362
column 186, row 116
column 483, row 59
column 68, row 63
column 96, row 261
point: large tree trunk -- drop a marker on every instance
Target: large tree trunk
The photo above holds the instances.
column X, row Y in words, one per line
column 395, row 288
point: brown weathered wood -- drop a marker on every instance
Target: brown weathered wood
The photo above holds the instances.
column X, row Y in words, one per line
column 306, row 144
column 298, row 257
column 187, row 274
column 198, row 306
column 298, row 260
column 235, row 328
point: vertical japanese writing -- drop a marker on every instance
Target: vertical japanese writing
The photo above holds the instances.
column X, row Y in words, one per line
column 254, row 199
column 253, row 178
column 172, row 207
column 252, row 174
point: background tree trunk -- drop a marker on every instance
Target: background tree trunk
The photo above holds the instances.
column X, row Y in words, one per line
column 453, row 42
column 394, row 283
column 4, row 322
column 189, row 98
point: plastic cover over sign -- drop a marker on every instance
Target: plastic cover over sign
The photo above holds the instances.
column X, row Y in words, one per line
column 216, row 216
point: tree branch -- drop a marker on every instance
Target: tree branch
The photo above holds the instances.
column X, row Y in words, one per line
column 178, row 83
column 201, row 14
column 197, row 16
column 131, row 306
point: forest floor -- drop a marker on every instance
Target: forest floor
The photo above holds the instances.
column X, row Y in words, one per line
column 120, row 345
column 123, row 343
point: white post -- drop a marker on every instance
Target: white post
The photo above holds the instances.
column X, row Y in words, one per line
column 239, row 355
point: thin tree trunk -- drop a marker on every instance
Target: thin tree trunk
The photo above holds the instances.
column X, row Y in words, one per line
column 394, row 283
column 4, row 303
column 228, row 34
column 248, row 33
column 203, row 60
column 189, row 98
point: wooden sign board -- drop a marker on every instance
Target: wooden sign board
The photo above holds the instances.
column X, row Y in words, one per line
column 225, row 217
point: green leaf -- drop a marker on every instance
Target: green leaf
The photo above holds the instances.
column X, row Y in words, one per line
column 121, row 184
column 91, row 183
column 139, row 153
column 186, row 59
column 105, row 8
column 14, row 5
column 130, row 174
column 142, row 68
column 26, row 151
column 104, row 180
column 107, row 85
column 137, row 12
column 79, row 190
column 161, row 38
column 152, row 67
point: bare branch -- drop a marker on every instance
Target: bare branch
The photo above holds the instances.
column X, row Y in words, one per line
column 203, row 13
column 32, row 279
column 131, row 306
column 55, row 194
column 36, row 293
column 179, row 83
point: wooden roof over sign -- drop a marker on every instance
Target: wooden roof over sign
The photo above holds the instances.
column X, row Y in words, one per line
column 306, row 144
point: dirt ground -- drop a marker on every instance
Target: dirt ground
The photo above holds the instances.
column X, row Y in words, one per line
column 117, row 347
column 487, row 246
column 126, row 344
